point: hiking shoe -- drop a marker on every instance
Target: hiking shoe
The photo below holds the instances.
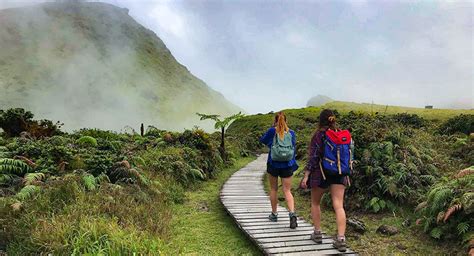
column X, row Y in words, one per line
column 273, row 217
column 317, row 237
column 293, row 220
column 340, row 245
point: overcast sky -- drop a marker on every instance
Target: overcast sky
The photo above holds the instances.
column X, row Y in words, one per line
column 269, row 55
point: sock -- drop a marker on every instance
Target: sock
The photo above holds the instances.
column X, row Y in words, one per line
column 341, row 238
column 317, row 231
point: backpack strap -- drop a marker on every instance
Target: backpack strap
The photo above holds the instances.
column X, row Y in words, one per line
column 323, row 140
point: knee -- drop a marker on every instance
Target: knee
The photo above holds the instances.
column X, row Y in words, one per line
column 337, row 206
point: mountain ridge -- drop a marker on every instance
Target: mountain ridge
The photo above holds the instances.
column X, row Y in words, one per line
column 98, row 66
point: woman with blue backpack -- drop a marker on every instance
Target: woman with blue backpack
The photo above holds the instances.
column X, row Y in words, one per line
column 329, row 166
column 281, row 163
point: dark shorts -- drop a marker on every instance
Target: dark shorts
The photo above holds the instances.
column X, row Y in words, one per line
column 330, row 180
column 282, row 173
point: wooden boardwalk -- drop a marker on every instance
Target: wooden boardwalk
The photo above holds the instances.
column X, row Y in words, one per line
column 244, row 198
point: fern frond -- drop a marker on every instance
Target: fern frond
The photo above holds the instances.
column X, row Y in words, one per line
column 465, row 172
column 13, row 166
column 436, row 233
column 451, row 210
column 462, row 228
column 197, row 173
column 440, row 217
column 16, row 206
column 26, row 160
column 27, row 192
column 102, row 178
column 420, row 206
column 34, row 177
column 6, row 179
column 89, row 181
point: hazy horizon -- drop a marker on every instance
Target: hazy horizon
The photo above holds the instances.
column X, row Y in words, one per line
column 270, row 55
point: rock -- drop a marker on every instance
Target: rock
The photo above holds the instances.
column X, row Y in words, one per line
column 203, row 207
column 357, row 225
column 387, row 230
column 406, row 223
column 401, row 247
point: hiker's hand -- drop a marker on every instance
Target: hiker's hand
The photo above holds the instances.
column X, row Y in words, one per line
column 304, row 182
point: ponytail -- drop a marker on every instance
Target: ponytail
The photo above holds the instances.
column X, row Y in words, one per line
column 280, row 124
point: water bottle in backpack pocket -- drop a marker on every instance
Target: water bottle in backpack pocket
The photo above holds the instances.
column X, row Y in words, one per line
column 282, row 150
column 337, row 153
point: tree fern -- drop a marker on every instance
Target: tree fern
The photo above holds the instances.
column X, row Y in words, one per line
column 27, row 192
column 13, row 166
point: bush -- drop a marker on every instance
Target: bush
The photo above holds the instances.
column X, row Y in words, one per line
column 448, row 208
column 87, row 141
column 16, row 120
column 462, row 123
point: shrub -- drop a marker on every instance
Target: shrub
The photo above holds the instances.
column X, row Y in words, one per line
column 87, row 141
column 462, row 123
column 448, row 208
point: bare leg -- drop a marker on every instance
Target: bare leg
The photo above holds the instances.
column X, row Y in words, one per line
column 287, row 191
column 316, row 195
column 337, row 196
column 273, row 192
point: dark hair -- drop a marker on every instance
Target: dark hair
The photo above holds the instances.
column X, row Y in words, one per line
column 327, row 120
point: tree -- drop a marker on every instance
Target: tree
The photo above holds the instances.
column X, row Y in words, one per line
column 221, row 124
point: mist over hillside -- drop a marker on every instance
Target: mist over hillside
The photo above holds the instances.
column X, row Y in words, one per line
column 92, row 65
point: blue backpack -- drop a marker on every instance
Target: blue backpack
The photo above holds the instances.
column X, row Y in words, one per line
column 337, row 156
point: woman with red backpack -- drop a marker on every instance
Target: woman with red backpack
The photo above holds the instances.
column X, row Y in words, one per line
column 281, row 163
column 329, row 165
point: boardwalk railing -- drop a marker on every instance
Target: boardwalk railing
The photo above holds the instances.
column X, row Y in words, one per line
column 244, row 198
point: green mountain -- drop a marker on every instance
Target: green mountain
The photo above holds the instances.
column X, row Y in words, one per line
column 318, row 100
column 92, row 65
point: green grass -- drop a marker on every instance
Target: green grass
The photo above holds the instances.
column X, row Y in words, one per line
column 213, row 232
column 441, row 114
column 410, row 241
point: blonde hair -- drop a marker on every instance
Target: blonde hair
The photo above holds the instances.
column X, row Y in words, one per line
column 280, row 124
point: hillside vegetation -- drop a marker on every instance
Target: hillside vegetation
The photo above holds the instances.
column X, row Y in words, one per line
column 403, row 161
column 100, row 192
column 100, row 66
column 440, row 114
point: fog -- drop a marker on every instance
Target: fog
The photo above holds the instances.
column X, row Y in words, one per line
column 269, row 55
column 94, row 76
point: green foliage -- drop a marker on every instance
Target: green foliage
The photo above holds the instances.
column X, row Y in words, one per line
column 31, row 178
column 87, row 141
column 13, row 166
column 411, row 120
column 448, row 207
column 14, row 121
column 27, row 192
column 461, row 123
column 89, row 181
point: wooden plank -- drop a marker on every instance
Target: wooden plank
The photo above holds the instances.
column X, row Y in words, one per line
column 259, row 226
column 276, row 230
column 283, row 234
column 300, row 248
column 294, row 243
